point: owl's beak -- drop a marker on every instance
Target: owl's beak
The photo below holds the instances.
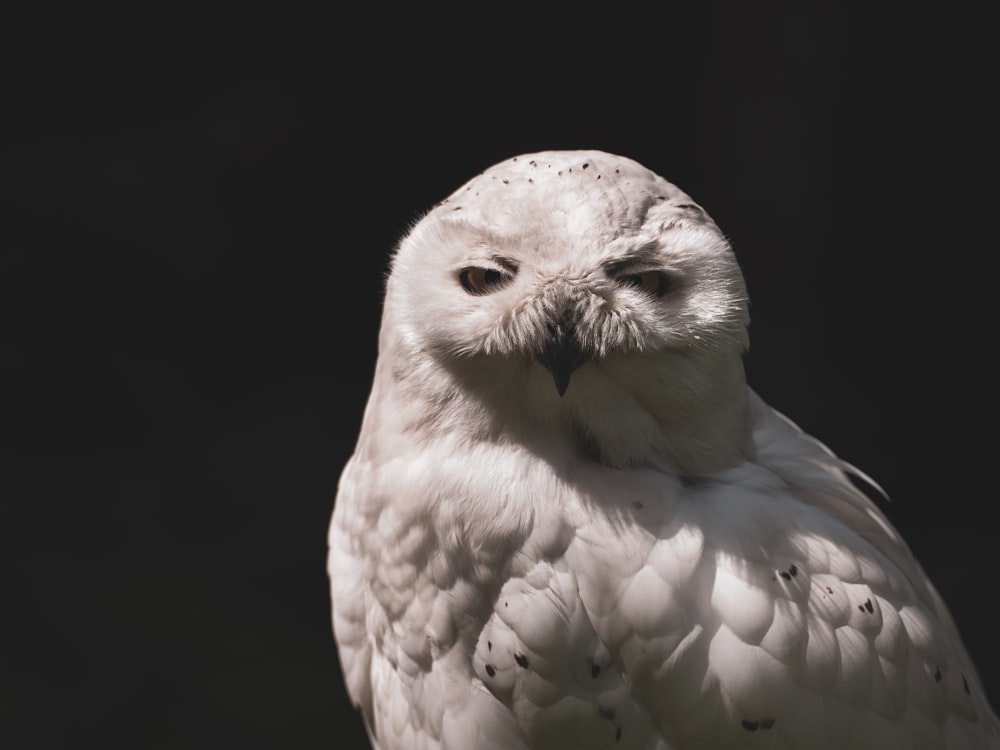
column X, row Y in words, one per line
column 561, row 355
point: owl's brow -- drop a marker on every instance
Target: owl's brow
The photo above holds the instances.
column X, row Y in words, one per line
column 647, row 254
column 484, row 238
column 504, row 262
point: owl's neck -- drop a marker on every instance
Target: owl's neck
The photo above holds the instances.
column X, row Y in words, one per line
column 692, row 419
column 683, row 421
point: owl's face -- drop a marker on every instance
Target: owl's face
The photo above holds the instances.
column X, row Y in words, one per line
column 580, row 281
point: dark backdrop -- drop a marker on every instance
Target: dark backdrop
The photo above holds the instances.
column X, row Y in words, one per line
column 198, row 210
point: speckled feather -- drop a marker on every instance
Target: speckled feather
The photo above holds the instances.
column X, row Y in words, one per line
column 654, row 559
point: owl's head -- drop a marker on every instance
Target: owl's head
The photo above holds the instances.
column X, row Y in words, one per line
column 579, row 291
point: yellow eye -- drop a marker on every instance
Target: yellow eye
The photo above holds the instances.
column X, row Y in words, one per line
column 653, row 283
column 479, row 281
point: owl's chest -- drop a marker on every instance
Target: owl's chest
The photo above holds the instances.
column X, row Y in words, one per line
column 484, row 586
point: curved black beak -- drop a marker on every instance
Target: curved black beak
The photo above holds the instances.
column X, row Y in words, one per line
column 561, row 355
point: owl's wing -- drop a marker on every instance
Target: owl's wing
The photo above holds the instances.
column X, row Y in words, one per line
column 540, row 656
column 403, row 612
column 349, row 591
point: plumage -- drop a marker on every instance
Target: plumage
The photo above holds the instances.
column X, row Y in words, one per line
column 570, row 523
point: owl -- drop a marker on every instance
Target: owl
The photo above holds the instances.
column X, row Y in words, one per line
column 569, row 523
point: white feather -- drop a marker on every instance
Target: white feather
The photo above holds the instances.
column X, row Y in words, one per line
column 655, row 559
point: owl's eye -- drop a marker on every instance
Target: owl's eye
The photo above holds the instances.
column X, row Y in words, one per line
column 653, row 283
column 479, row 281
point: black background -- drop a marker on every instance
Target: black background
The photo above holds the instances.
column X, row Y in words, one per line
column 198, row 210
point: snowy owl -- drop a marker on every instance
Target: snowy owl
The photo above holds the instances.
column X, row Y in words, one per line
column 568, row 522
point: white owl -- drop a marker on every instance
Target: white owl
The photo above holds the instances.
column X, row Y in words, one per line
column 569, row 523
